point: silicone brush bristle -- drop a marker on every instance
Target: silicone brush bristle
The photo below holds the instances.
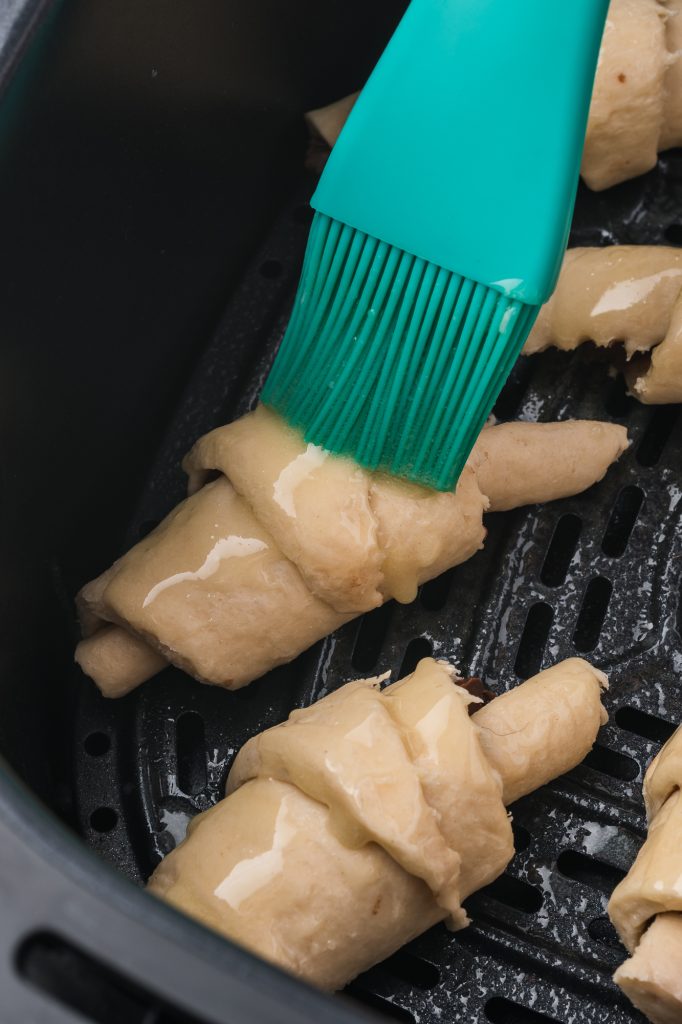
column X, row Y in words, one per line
column 390, row 359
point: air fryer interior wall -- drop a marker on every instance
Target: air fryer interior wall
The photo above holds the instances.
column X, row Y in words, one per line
column 112, row 340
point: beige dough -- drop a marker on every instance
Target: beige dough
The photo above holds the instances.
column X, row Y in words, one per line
column 625, row 295
column 636, row 109
column 646, row 907
column 243, row 576
column 368, row 817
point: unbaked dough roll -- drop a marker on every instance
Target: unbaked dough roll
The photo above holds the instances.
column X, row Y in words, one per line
column 646, row 907
column 286, row 865
column 231, row 584
column 626, row 295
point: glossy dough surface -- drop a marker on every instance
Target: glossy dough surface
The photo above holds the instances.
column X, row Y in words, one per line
column 627, row 295
column 288, row 543
column 362, row 820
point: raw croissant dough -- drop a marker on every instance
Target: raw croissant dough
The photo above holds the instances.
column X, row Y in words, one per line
column 290, row 542
column 627, row 295
column 636, row 109
column 646, row 907
column 361, row 821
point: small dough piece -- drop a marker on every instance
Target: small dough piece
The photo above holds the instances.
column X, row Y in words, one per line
column 517, row 464
column 628, row 102
column 652, row 977
column 117, row 659
column 301, row 880
column 544, row 727
column 209, row 564
column 327, row 122
column 297, row 492
column 646, row 907
column 622, row 294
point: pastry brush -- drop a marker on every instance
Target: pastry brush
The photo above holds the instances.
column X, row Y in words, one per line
column 440, row 222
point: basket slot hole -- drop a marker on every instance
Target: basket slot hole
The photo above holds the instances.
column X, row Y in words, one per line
column 610, row 762
column 592, row 614
column 533, row 639
column 413, row 970
column 522, row 837
column 386, row 1007
column 417, row 649
column 515, row 893
column 435, row 593
column 660, row 427
column 580, row 867
column 76, row 980
column 561, row 550
column 650, row 727
column 97, row 744
column 104, row 819
column 601, row 930
column 190, row 745
column 622, row 521
column 370, row 638
column 511, row 395
column 617, row 402
column 504, row 1011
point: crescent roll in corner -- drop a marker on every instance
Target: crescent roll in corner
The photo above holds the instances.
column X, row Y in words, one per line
column 646, row 907
column 289, row 542
column 626, row 295
column 636, row 109
column 366, row 818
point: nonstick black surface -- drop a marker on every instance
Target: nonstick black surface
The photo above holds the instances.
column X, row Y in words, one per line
column 596, row 575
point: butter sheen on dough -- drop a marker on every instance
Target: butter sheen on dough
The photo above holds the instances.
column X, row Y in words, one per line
column 628, row 295
column 361, row 821
column 288, row 544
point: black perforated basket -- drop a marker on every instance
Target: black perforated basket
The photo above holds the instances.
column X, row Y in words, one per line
column 123, row 370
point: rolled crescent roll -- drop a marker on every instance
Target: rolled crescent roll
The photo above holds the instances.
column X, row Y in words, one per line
column 289, row 542
column 626, row 295
column 636, row 109
column 364, row 819
column 646, row 907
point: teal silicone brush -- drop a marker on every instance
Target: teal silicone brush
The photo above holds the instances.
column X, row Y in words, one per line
column 441, row 219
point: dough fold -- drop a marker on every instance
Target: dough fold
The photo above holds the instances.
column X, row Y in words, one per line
column 231, row 584
column 341, row 825
column 646, row 907
column 627, row 295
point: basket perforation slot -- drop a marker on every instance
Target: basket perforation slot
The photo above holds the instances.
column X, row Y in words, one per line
column 385, row 1006
column 515, row 893
column 533, row 639
column 97, row 744
column 611, row 762
column 622, row 521
column 104, row 819
column 434, row 594
column 190, row 743
column 503, row 1011
column 588, row 870
column 370, row 637
column 601, row 930
column 617, row 402
column 650, row 448
column 417, row 649
column 522, row 837
column 561, row 550
column 592, row 614
column 412, row 969
column 641, row 723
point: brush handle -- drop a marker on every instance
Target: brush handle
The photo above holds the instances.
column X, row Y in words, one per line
column 464, row 146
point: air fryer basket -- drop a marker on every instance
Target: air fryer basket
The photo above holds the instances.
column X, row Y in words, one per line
column 596, row 575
